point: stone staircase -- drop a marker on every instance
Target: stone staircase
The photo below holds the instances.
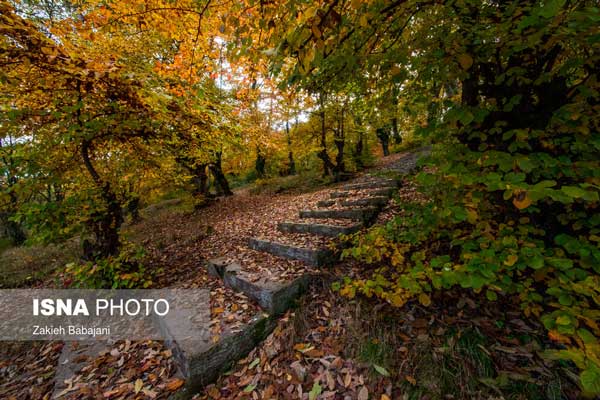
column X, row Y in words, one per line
column 351, row 207
column 358, row 208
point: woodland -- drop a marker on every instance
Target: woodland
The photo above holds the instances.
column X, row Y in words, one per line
column 116, row 115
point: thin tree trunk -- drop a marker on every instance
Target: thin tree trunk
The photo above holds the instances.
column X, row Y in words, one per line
column 384, row 138
column 260, row 163
column 221, row 183
column 291, row 162
column 339, row 140
column 327, row 164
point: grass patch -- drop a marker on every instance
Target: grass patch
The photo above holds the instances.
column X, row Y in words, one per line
column 27, row 265
column 5, row 244
column 456, row 362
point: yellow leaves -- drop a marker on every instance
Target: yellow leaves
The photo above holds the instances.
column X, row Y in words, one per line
column 521, row 199
column 465, row 61
column 348, row 291
column 472, row 215
column 511, row 260
column 356, row 4
column 395, row 70
column 397, row 258
column 315, row 30
column 424, row 299
column 138, row 386
column 396, row 299
column 307, row 60
column 364, row 21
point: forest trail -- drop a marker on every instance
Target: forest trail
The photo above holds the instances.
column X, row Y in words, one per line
column 254, row 255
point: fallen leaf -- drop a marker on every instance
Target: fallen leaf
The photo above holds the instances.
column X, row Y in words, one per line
column 138, row 386
column 175, row 384
column 363, row 393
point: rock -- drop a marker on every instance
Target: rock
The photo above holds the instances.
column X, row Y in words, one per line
column 371, row 185
column 326, row 203
column 365, row 215
column 318, row 229
column 376, row 201
column 315, row 257
column 273, row 297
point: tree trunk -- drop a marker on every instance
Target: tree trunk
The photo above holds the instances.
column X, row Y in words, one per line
column 322, row 154
column 104, row 224
column 384, row 138
column 395, row 131
column 200, row 180
column 339, row 141
column 260, row 163
column 12, row 229
column 221, row 183
column 291, row 162
column 359, row 146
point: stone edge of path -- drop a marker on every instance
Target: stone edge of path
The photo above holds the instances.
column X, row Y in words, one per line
column 202, row 364
column 315, row 257
column 364, row 215
column 273, row 297
column 318, row 229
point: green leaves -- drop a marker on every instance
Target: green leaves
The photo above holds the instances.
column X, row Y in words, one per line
column 315, row 391
column 590, row 379
column 551, row 8
column 380, row 370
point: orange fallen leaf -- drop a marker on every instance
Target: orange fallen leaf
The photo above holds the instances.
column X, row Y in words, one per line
column 174, row 384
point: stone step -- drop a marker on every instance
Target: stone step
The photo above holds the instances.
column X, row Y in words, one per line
column 388, row 192
column 325, row 203
column 201, row 361
column 273, row 297
column 371, row 185
column 314, row 257
column 359, row 214
column 339, row 194
column 318, row 229
column 376, row 201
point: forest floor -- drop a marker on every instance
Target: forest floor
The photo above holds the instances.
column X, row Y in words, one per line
column 329, row 347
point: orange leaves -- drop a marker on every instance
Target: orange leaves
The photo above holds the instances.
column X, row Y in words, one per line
column 174, row 384
column 521, row 199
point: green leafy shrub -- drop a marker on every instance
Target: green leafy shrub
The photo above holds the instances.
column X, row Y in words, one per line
column 125, row 271
column 514, row 209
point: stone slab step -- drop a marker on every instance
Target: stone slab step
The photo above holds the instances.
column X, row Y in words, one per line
column 388, row 192
column 314, row 257
column 326, row 203
column 371, row 185
column 318, row 229
column 339, row 194
column 273, row 297
column 359, row 214
column 202, row 362
column 199, row 357
column 376, row 201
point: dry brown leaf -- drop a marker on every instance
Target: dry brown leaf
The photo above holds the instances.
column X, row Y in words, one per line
column 363, row 393
column 174, row 384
